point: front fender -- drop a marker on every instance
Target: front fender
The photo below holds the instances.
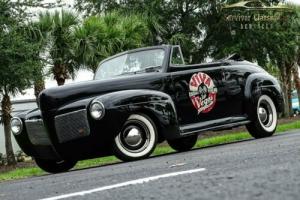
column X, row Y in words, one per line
column 258, row 84
column 157, row 105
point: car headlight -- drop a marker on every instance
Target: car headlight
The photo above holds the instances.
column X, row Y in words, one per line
column 97, row 110
column 16, row 125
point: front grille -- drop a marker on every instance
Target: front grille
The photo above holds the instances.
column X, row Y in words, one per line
column 72, row 125
column 36, row 132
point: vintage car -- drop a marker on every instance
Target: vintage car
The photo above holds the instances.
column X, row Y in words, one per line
column 295, row 103
column 143, row 97
column 255, row 5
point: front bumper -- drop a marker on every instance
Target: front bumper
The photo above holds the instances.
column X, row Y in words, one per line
column 69, row 126
column 37, row 133
column 35, row 138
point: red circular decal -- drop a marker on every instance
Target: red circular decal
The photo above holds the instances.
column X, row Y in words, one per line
column 203, row 92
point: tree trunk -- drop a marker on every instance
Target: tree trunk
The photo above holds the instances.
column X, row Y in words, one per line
column 296, row 78
column 60, row 73
column 285, row 75
column 94, row 68
column 60, row 81
column 288, row 68
column 285, row 96
column 289, row 94
column 6, row 115
column 39, row 85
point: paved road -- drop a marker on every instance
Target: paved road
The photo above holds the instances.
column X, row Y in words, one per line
column 256, row 169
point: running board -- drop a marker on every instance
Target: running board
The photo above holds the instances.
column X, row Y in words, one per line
column 192, row 129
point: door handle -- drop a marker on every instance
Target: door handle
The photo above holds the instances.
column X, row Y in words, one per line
column 225, row 75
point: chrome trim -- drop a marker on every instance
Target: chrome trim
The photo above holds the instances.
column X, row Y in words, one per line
column 68, row 113
column 219, row 127
column 34, row 120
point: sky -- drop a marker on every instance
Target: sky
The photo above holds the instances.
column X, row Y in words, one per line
column 295, row 1
column 82, row 75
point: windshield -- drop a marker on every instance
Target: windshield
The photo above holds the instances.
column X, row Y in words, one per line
column 130, row 63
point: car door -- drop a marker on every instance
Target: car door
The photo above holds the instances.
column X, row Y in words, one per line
column 234, row 82
column 198, row 91
column 200, row 95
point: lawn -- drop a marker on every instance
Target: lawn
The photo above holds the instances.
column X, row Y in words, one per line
column 161, row 149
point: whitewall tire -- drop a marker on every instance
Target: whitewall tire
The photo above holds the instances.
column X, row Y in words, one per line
column 137, row 139
column 265, row 121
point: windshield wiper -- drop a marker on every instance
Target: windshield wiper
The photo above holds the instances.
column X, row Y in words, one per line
column 153, row 68
column 147, row 70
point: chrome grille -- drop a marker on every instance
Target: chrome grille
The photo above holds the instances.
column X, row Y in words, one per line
column 36, row 132
column 72, row 125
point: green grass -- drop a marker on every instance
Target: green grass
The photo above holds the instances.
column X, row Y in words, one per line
column 288, row 126
column 96, row 162
column 163, row 149
column 21, row 173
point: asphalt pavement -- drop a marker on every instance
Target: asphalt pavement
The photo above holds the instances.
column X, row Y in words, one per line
column 267, row 168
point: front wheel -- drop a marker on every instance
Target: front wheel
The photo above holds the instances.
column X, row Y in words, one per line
column 183, row 144
column 137, row 139
column 53, row 166
column 265, row 120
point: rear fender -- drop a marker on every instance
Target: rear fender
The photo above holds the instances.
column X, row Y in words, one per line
column 258, row 84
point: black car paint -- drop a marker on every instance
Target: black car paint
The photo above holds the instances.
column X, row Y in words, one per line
column 163, row 96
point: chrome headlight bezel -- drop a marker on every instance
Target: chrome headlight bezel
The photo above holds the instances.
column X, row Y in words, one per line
column 17, row 120
column 97, row 110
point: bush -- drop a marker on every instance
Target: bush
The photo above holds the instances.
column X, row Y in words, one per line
column 20, row 156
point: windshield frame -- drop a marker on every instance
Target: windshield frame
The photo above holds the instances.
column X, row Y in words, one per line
column 166, row 48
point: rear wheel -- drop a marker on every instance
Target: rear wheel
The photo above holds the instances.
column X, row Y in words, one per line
column 183, row 144
column 53, row 166
column 137, row 139
column 265, row 120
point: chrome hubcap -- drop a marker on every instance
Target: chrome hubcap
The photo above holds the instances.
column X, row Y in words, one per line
column 133, row 138
column 265, row 113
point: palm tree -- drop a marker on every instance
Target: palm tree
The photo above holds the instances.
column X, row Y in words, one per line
column 17, row 65
column 102, row 36
column 59, row 27
column 36, row 34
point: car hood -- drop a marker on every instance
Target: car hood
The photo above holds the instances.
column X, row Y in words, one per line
column 56, row 97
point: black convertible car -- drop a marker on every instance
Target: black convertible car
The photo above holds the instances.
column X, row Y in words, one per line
column 143, row 97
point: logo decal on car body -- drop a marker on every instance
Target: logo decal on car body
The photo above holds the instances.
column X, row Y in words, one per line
column 203, row 92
